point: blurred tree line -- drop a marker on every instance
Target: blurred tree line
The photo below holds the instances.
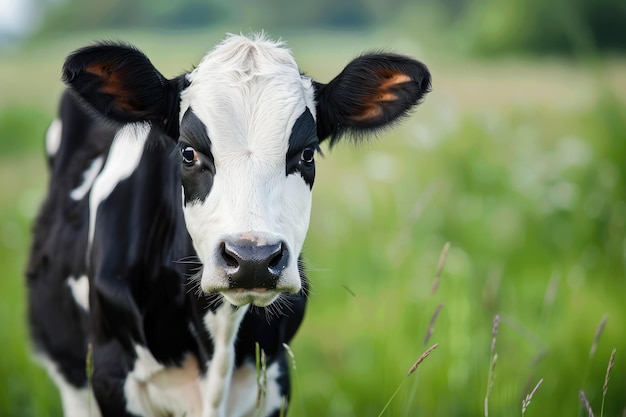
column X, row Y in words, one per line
column 490, row 26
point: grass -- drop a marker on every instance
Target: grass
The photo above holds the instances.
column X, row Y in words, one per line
column 520, row 165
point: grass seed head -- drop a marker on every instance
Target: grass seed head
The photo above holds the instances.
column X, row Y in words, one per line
column 526, row 401
column 608, row 372
column 596, row 338
column 494, row 332
column 421, row 358
column 583, row 399
column 291, row 355
column 431, row 324
column 440, row 264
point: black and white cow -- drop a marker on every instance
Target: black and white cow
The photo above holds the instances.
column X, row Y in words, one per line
column 176, row 205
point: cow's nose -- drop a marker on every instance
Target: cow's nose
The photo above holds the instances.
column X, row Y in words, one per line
column 251, row 265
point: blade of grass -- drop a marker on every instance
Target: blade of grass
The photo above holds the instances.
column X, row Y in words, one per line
column 440, row 264
column 492, row 368
column 526, row 401
column 411, row 370
column 605, row 387
column 585, row 403
column 592, row 353
column 89, row 371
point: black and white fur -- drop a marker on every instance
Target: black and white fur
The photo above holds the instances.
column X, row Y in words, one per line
column 171, row 235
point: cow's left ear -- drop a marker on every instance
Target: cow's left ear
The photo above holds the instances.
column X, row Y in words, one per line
column 120, row 83
column 372, row 92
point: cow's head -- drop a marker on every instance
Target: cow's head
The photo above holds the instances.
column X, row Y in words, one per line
column 248, row 126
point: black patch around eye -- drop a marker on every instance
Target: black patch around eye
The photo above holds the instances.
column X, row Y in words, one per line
column 303, row 134
column 303, row 143
column 194, row 132
column 196, row 177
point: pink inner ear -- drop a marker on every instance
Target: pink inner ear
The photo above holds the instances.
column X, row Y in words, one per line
column 382, row 93
column 393, row 78
column 368, row 112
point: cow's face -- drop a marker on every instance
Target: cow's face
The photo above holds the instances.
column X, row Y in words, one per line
column 247, row 142
column 248, row 127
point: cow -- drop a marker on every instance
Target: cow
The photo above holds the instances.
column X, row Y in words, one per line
column 166, row 256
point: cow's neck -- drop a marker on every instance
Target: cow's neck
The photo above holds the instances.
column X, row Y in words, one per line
column 222, row 324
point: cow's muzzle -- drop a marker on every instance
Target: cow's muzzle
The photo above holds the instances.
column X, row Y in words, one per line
column 253, row 264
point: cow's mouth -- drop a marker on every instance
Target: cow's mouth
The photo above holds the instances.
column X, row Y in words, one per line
column 249, row 289
column 260, row 297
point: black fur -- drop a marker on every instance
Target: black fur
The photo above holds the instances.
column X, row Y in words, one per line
column 303, row 135
column 198, row 178
column 120, row 83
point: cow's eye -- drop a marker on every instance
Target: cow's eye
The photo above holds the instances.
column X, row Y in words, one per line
column 190, row 156
column 308, row 154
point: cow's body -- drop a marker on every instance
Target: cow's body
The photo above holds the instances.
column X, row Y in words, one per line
column 157, row 280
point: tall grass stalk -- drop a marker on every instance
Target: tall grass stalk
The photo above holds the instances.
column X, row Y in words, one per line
column 292, row 356
column 549, row 297
column 431, row 323
column 526, row 401
column 283, row 407
column 492, row 368
column 261, row 377
column 585, row 403
column 411, row 370
column 89, row 372
column 440, row 265
column 596, row 338
column 592, row 352
column 605, row 387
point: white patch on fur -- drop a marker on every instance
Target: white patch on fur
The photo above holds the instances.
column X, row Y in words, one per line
column 273, row 399
column 152, row 389
column 243, row 394
column 75, row 401
column 223, row 325
column 89, row 176
column 123, row 159
column 249, row 93
column 53, row 137
column 80, row 290
column 145, row 364
column 309, row 95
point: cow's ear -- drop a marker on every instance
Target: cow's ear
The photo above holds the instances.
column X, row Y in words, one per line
column 372, row 92
column 120, row 83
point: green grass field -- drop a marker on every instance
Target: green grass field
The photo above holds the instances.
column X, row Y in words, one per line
column 519, row 164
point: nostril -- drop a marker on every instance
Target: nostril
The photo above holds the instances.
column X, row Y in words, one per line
column 279, row 259
column 275, row 260
column 228, row 256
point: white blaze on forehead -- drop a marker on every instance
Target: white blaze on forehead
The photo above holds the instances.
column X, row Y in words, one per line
column 248, row 93
column 238, row 59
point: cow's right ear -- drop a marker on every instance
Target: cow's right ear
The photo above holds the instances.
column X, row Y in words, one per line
column 120, row 83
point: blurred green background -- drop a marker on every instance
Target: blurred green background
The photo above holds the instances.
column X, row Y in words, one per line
column 517, row 158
